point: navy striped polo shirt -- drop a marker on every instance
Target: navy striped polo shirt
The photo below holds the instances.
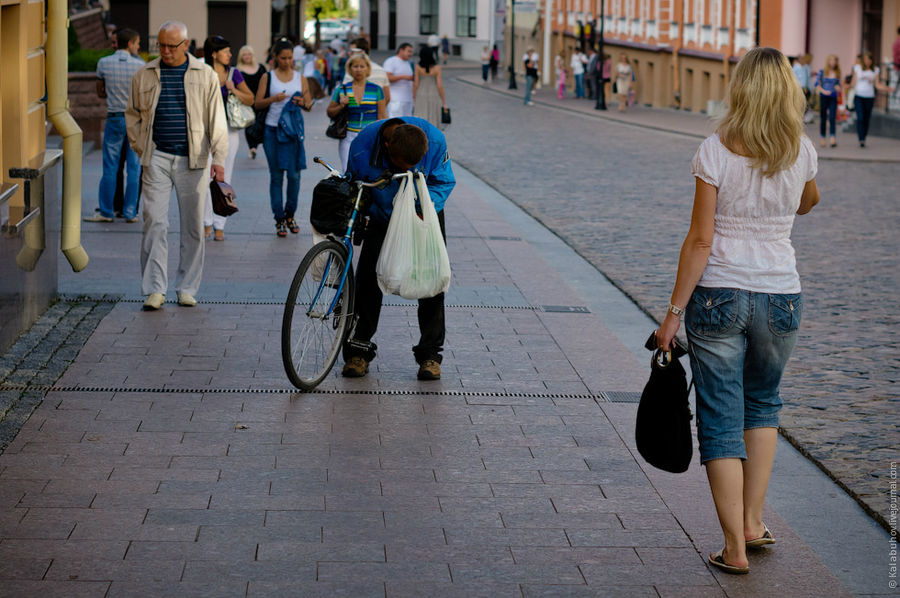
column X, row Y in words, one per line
column 170, row 122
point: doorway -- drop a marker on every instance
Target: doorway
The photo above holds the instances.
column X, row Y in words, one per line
column 228, row 19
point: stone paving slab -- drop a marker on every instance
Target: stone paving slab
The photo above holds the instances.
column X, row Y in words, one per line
column 175, row 435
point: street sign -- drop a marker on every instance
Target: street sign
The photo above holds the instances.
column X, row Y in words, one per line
column 526, row 6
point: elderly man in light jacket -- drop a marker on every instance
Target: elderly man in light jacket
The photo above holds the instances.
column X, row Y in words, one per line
column 175, row 118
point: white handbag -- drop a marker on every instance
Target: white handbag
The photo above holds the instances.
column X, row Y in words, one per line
column 239, row 114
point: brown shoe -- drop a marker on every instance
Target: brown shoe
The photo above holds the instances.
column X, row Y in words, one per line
column 356, row 367
column 429, row 370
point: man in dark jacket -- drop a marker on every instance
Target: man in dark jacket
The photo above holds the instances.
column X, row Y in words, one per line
column 396, row 145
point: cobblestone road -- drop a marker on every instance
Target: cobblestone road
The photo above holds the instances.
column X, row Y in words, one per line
column 621, row 196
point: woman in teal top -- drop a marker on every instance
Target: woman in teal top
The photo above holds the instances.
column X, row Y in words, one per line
column 363, row 100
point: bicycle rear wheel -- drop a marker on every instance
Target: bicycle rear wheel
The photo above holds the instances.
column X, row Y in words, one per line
column 315, row 325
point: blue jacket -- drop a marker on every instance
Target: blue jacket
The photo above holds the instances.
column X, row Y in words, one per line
column 289, row 138
column 367, row 161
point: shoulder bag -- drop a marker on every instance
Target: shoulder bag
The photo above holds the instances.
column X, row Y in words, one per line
column 240, row 115
column 257, row 131
column 337, row 128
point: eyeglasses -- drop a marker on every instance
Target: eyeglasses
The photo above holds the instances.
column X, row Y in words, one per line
column 171, row 46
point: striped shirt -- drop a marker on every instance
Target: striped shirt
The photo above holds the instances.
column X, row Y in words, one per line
column 360, row 114
column 170, row 123
column 116, row 71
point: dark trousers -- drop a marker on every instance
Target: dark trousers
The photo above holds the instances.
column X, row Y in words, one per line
column 119, row 197
column 863, row 115
column 601, row 92
column 827, row 113
column 368, row 305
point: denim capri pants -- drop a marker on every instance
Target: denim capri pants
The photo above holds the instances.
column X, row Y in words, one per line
column 740, row 342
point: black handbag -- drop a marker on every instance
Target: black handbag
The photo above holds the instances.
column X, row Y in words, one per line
column 445, row 116
column 223, row 196
column 337, row 128
column 663, row 427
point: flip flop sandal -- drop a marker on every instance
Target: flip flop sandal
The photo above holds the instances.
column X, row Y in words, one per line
column 717, row 560
column 763, row 540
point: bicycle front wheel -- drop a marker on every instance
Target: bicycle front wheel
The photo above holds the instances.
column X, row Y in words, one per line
column 317, row 315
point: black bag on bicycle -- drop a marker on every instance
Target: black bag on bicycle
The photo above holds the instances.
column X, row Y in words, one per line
column 332, row 204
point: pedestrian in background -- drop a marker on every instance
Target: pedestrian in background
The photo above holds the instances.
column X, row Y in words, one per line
column 578, row 64
column 400, row 74
column 285, row 154
column 485, row 64
column 738, row 286
column 865, row 83
column 591, row 72
column 559, row 67
column 363, row 100
column 828, row 84
column 606, row 78
column 217, row 54
column 252, row 71
column 445, row 48
column 532, row 62
column 495, row 62
column 804, row 77
column 175, row 118
column 428, row 90
column 624, row 78
column 114, row 75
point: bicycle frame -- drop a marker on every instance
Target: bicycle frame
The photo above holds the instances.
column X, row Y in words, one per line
column 346, row 240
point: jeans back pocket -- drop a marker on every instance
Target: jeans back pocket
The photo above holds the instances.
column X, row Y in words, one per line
column 711, row 311
column 785, row 311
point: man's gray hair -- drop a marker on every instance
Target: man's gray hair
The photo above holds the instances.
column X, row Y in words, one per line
column 176, row 25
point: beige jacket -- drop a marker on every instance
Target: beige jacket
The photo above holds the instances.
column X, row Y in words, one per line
column 207, row 126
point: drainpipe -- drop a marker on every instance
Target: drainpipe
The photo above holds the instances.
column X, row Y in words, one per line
column 57, row 57
column 676, row 70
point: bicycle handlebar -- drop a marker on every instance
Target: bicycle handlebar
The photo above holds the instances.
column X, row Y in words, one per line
column 380, row 181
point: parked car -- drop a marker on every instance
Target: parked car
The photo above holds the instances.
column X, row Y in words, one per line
column 329, row 29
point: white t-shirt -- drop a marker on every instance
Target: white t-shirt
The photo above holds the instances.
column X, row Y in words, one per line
column 577, row 63
column 751, row 247
column 401, row 91
column 276, row 87
column 865, row 81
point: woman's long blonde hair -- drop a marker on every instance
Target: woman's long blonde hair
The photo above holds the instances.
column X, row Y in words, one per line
column 765, row 111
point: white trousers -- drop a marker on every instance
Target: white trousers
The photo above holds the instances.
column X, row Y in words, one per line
column 344, row 148
column 210, row 218
column 165, row 173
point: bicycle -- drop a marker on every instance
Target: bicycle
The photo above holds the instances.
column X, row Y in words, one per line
column 323, row 287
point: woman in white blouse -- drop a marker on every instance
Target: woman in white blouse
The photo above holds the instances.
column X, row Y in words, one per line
column 738, row 285
column 865, row 82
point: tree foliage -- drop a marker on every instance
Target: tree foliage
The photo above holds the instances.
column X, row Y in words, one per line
column 330, row 9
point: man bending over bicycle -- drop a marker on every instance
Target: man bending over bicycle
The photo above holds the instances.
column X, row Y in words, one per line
column 397, row 145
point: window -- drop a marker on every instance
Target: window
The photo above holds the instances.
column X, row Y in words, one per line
column 466, row 21
column 428, row 17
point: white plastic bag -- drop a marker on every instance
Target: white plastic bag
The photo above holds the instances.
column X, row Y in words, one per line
column 413, row 262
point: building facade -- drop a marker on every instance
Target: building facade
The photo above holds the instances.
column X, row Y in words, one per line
column 253, row 22
column 468, row 24
column 683, row 50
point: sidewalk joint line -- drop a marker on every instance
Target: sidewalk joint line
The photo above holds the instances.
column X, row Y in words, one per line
column 602, row 396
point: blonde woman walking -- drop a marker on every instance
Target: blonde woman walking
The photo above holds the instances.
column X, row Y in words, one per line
column 738, row 287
